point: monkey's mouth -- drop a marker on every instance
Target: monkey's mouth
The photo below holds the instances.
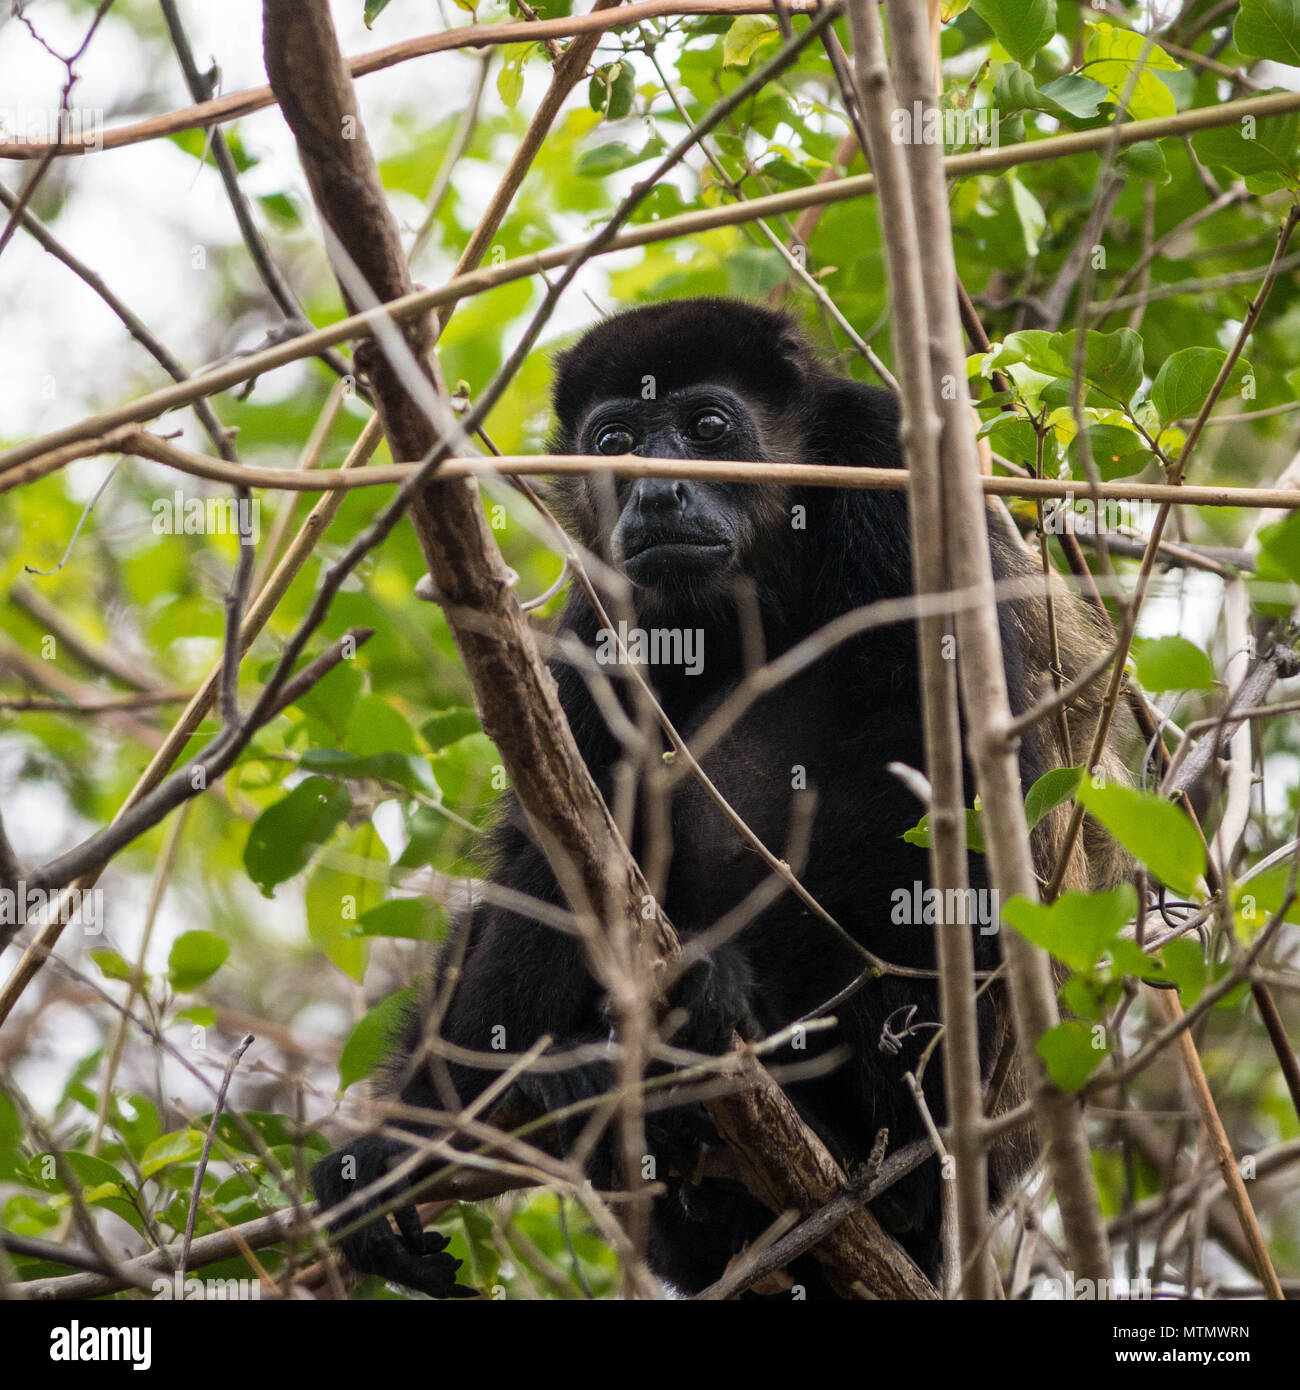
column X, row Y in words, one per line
column 659, row 562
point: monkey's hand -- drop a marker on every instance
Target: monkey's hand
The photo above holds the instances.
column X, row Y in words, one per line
column 410, row 1255
column 711, row 1002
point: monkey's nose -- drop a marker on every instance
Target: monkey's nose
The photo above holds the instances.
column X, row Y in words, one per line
column 661, row 497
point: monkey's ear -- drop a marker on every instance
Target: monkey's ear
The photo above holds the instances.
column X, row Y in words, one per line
column 790, row 348
column 791, row 344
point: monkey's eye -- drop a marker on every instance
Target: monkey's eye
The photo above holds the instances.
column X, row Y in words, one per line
column 708, row 427
column 615, row 440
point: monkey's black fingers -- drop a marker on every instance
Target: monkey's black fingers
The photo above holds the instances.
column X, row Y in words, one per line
column 423, row 1255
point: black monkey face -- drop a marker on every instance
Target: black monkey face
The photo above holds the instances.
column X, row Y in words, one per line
column 676, row 534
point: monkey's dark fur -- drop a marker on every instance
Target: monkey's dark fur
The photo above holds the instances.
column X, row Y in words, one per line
column 731, row 380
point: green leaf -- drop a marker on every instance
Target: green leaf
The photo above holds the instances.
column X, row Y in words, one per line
column 510, row 80
column 373, row 1037
column 1029, row 214
column 1110, row 57
column 331, row 701
column 612, row 89
column 745, row 37
column 342, row 887
column 112, row 965
column 377, row 727
column 1015, row 91
column 1078, row 928
column 608, row 159
column 1279, row 544
column 1265, row 152
column 417, row 918
column 178, row 1147
column 1172, row 663
column 1118, row 452
column 1145, row 160
column 1049, row 791
column 407, row 770
column 1032, row 346
column 1184, row 382
column 1260, row 899
column 25, row 1216
column 1075, row 95
column 1071, row 98
column 448, row 725
column 285, row 835
column 785, row 173
column 194, row 956
column 1268, row 29
column 1069, row 1053
column 1185, row 963
column 1153, row 829
column 919, row 834
column 1022, row 27
column 1111, row 361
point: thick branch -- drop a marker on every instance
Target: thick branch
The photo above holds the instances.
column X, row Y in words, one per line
column 983, row 678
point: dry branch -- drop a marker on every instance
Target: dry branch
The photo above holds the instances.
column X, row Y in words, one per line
column 983, row 678
column 417, row 303
column 131, row 440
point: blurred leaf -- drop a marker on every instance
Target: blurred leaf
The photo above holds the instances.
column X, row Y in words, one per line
column 1022, row 27
column 342, row 888
column 178, row 1147
column 448, row 725
column 1263, row 151
column 1184, row 381
column 1049, row 791
column 919, row 834
column 1185, row 962
column 195, row 955
column 112, row 966
column 1268, row 29
column 374, row 1036
column 745, row 37
column 1069, row 1053
column 286, row 834
column 1029, row 213
column 417, row 918
column 1077, row 928
column 1144, row 160
column 1280, row 545
column 510, row 80
column 1154, row 829
column 1111, row 56
column 612, row 89
column 1172, row 663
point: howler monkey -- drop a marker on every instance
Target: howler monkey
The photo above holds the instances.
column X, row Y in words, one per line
column 741, row 567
